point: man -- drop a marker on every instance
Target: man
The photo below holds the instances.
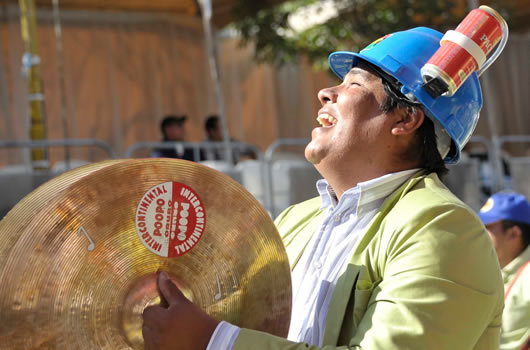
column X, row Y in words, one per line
column 507, row 219
column 213, row 129
column 386, row 257
column 174, row 130
column 213, row 147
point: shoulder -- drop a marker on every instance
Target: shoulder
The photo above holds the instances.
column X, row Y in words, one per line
column 298, row 221
column 428, row 208
column 299, row 212
column 427, row 199
column 430, row 189
column 432, row 228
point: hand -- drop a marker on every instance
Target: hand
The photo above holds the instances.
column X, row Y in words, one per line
column 181, row 325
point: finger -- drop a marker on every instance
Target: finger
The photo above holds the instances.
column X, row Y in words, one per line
column 169, row 291
column 163, row 301
column 153, row 316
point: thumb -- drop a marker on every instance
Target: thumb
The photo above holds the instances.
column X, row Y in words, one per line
column 168, row 290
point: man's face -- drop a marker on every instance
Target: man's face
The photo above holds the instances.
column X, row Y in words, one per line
column 497, row 235
column 216, row 134
column 175, row 132
column 504, row 241
column 354, row 127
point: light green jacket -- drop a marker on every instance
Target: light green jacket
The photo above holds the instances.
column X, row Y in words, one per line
column 424, row 276
column 516, row 316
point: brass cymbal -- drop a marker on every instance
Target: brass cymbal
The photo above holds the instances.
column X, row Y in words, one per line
column 83, row 269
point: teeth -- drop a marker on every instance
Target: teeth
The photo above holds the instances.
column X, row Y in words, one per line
column 326, row 120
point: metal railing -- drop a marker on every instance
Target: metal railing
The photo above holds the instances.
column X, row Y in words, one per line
column 163, row 145
column 58, row 143
column 19, row 180
column 66, row 144
column 485, row 141
column 493, row 179
column 511, row 139
column 200, row 154
column 197, row 147
column 265, row 159
column 517, row 165
column 268, row 160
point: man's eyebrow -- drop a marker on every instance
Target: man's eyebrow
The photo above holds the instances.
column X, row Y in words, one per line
column 355, row 71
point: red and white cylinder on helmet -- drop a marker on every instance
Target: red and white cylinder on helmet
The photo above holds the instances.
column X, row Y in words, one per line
column 464, row 51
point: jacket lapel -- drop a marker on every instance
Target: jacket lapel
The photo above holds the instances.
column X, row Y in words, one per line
column 339, row 300
column 348, row 280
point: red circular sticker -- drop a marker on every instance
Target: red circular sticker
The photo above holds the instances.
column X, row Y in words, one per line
column 170, row 219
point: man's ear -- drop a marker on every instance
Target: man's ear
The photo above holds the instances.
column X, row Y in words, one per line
column 407, row 120
column 515, row 232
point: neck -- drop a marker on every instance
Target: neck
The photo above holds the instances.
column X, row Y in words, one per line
column 507, row 258
column 341, row 181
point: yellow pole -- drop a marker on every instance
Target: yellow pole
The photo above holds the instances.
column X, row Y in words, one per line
column 31, row 63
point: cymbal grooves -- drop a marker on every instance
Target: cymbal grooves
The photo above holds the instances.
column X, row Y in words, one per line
column 77, row 275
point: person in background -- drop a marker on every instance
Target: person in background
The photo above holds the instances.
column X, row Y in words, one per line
column 507, row 219
column 173, row 129
column 214, row 149
column 386, row 257
column 213, row 130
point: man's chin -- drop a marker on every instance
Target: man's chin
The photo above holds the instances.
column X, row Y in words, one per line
column 312, row 155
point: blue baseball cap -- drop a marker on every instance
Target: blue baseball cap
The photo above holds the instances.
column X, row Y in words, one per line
column 505, row 206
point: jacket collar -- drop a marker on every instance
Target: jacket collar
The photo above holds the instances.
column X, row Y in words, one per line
column 514, row 265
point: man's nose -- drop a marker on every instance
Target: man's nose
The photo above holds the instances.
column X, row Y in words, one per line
column 327, row 95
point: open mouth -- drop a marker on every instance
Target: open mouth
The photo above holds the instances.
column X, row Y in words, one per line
column 326, row 120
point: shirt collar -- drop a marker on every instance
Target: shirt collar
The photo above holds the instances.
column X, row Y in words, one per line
column 365, row 192
column 327, row 194
column 514, row 265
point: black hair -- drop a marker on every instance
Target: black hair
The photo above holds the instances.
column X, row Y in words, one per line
column 171, row 120
column 211, row 123
column 424, row 148
column 525, row 229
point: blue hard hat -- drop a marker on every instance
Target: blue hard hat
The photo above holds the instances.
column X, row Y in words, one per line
column 402, row 55
column 505, row 206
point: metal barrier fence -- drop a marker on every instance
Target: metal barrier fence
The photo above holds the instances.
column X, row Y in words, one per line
column 487, row 179
column 198, row 148
column 275, row 188
column 511, row 139
column 265, row 191
column 485, row 141
column 59, row 143
column 243, row 172
column 520, row 171
column 271, row 203
column 264, row 188
column 19, row 180
column 519, row 166
column 465, row 179
column 129, row 152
